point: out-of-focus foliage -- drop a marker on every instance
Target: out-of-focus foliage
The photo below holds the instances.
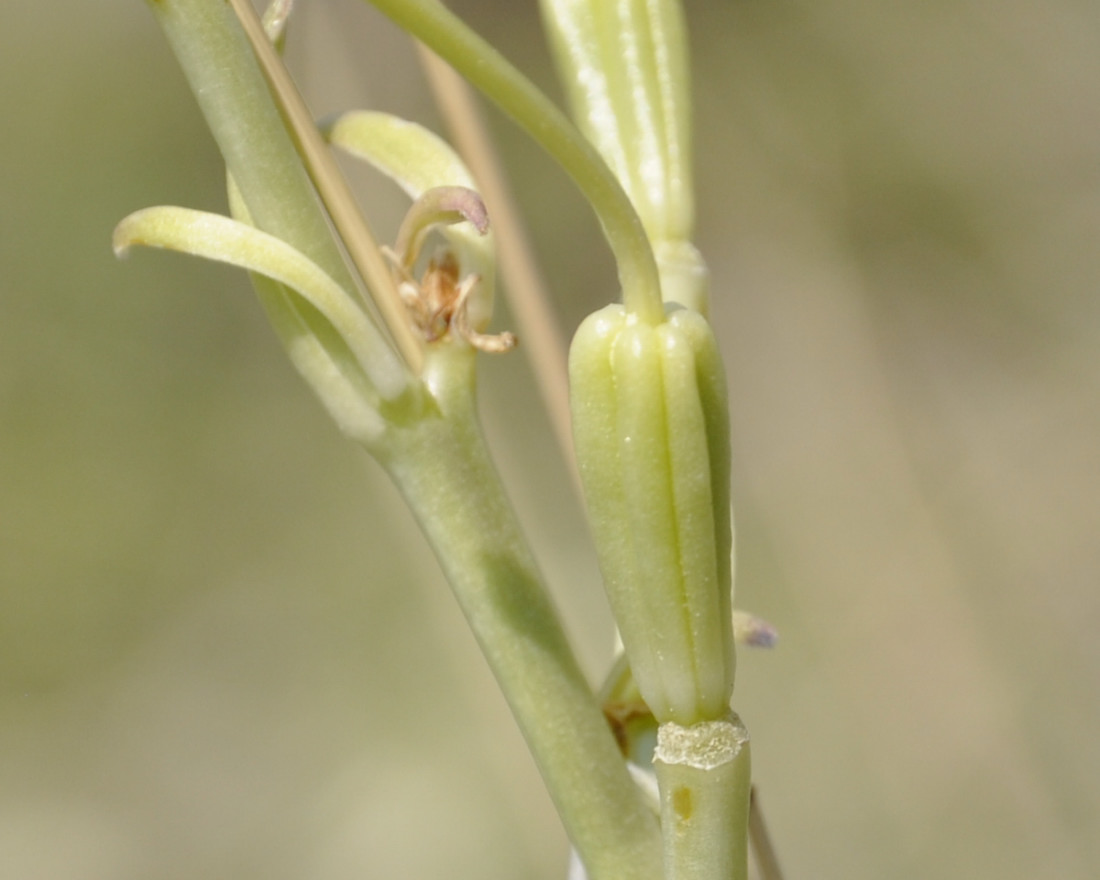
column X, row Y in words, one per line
column 224, row 650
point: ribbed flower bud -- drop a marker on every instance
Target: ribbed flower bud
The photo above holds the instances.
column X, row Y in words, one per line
column 625, row 70
column 651, row 428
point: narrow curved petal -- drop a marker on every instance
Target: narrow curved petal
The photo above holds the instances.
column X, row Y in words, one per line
column 222, row 239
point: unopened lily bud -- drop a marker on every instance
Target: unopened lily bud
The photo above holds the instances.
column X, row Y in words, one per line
column 625, row 71
column 651, row 428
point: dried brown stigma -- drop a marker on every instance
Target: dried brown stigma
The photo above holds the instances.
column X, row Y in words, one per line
column 437, row 303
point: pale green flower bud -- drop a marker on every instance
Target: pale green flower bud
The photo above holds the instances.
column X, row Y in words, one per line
column 624, row 66
column 651, row 428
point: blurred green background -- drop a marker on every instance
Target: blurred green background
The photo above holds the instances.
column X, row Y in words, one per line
column 224, row 649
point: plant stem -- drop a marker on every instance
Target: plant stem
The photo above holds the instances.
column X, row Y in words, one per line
column 350, row 224
column 703, row 772
column 217, row 59
column 442, row 468
column 450, row 38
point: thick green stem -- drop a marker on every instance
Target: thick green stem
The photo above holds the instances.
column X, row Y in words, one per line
column 350, row 224
column 704, row 776
column 219, row 64
column 442, row 468
column 218, row 61
column 450, row 38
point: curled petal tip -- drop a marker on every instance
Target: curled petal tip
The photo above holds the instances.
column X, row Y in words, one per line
column 439, row 206
column 128, row 233
column 469, row 204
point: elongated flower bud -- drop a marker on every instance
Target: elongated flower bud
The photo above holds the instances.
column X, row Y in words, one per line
column 651, row 428
column 625, row 70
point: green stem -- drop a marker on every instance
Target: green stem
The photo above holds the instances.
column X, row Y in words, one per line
column 219, row 64
column 350, row 224
column 442, row 468
column 218, row 61
column 704, row 776
column 450, row 38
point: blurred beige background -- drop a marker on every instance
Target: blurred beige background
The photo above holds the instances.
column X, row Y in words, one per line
column 224, row 650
